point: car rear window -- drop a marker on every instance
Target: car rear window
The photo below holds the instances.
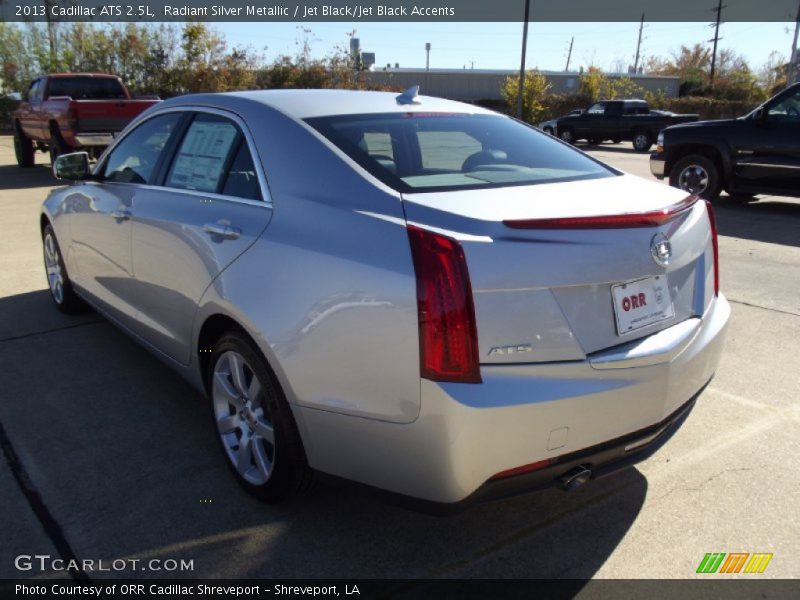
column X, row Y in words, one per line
column 419, row 152
column 86, row 88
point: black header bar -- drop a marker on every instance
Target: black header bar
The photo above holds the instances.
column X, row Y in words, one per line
column 102, row 11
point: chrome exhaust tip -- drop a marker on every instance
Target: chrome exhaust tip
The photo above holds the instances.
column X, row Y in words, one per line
column 572, row 480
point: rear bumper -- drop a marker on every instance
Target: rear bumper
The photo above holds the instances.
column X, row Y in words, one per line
column 93, row 139
column 657, row 164
column 607, row 416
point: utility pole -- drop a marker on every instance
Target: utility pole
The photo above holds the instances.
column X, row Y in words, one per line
column 793, row 74
column 715, row 40
column 638, row 46
column 522, row 60
column 51, row 34
column 427, row 56
column 569, row 54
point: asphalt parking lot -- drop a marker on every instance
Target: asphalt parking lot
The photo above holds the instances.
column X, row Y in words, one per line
column 120, row 452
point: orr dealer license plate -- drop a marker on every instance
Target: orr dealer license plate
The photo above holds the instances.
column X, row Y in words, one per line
column 641, row 303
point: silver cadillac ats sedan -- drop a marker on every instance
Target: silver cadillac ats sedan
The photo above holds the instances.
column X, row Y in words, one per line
column 411, row 293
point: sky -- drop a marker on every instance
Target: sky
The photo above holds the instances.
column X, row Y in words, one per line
column 498, row 45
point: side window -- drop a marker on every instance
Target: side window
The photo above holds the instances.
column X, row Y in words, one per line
column 203, row 158
column 379, row 142
column 787, row 110
column 597, row 109
column 136, row 156
column 242, row 180
column 35, row 91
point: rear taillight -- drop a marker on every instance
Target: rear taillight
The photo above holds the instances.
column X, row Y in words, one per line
column 714, row 245
column 448, row 339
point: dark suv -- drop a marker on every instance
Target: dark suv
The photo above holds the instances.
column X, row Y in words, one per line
column 755, row 154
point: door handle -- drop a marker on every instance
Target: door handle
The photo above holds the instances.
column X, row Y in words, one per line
column 224, row 231
column 121, row 214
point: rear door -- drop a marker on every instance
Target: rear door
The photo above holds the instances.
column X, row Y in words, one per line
column 612, row 125
column 210, row 205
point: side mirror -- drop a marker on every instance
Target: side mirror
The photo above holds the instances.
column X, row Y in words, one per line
column 73, row 166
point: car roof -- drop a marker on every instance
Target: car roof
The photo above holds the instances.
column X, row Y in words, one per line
column 305, row 104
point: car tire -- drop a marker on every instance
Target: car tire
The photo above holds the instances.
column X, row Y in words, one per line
column 253, row 422
column 57, row 147
column 567, row 135
column 23, row 148
column 58, row 282
column 696, row 174
column 642, row 141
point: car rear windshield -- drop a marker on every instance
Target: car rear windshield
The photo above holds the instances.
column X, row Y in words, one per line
column 86, row 88
column 423, row 152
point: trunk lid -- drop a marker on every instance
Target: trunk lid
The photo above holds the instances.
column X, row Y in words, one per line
column 553, row 292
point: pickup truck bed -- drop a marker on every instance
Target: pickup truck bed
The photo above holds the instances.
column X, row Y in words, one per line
column 67, row 112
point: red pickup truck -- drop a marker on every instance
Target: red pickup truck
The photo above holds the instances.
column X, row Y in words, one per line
column 66, row 112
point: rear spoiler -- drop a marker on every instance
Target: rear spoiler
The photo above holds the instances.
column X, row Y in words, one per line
column 643, row 219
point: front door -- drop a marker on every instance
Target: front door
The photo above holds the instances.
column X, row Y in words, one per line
column 769, row 155
column 101, row 213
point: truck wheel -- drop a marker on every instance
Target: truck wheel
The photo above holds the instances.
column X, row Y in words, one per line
column 566, row 135
column 57, row 147
column 23, row 148
column 642, row 141
column 696, row 174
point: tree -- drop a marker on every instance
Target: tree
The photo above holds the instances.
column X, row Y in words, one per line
column 534, row 90
column 596, row 85
column 772, row 75
column 734, row 80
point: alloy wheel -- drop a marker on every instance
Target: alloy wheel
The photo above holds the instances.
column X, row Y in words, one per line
column 52, row 264
column 242, row 417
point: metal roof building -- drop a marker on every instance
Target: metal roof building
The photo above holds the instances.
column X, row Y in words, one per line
column 484, row 84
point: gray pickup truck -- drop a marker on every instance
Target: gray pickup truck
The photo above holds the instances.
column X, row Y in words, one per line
column 618, row 120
